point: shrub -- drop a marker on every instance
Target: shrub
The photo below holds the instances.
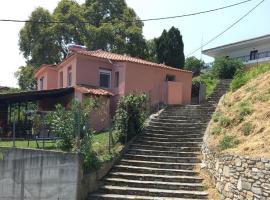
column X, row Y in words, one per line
column 228, row 142
column 216, row 130
column 226, row 67
column 224, row 121
column 130, row 116
column 66, row 124
column 246, row 128
column 193, row 64
column 243, row 110
column 242, row 77
column 216, row 116
column 209, row 80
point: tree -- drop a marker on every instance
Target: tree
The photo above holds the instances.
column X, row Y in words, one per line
column 226, row 67
column 99, row 24
column 114, row 27
column 37, row 40
column 72, row 32
column 170, row 48
column 193, row 64
column 151, row 50
column 25, row 76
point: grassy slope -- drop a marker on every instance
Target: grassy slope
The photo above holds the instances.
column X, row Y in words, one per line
column 243, row 117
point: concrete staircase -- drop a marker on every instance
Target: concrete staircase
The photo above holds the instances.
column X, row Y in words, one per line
column 160, row 164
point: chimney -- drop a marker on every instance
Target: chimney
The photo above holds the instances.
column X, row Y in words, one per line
column 73, row 48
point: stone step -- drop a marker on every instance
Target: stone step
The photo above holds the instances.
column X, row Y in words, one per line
column 163, row 165
column 167, row 136
column 173, row 120
column 166, row 148
column 152, row 170
column 154, row 184
column 162, row 153
column 170, row 144
column 178, row 125
column 177, row 139
column 154, row 192
column 174, row 132
column 166, row 127
column 104, row 196
column 155, row 177
column 160, row 158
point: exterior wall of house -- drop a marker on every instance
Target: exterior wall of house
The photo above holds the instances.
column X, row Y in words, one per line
column 140, row 78
column 100, row 117
column 64, row 67
column 49, row 78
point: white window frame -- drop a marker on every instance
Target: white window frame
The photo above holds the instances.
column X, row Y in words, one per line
column 107, row 72
column 69, row 76
column 41, row 83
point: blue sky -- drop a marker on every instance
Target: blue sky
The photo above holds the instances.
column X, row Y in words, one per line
column 194, row 29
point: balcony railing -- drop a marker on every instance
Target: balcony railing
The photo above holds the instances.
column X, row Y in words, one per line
column 261, row 55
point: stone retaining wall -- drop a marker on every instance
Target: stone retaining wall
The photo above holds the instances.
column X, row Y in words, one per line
column 238, row 177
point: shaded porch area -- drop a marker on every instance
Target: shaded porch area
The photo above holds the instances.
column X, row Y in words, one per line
column 14, row 109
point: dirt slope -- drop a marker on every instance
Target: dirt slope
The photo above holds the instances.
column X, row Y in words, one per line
column 241, row 123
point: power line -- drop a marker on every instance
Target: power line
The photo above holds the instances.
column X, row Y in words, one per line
column 232, row 25
column 125, row 21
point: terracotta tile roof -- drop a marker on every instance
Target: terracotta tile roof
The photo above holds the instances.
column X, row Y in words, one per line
column 124, row 58
column 86, row 89
column 4, row 88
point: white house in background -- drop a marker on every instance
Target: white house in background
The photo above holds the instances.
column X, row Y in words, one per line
column 251, row 51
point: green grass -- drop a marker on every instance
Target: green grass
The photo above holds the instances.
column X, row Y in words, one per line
column 242, row 77
column 101, row 146
column 50, row 145
column 210, row 82
column 228, row 142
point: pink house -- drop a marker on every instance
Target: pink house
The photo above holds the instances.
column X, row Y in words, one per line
column 109, row 76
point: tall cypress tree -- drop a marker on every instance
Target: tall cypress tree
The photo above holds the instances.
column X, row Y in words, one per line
column 170, row 48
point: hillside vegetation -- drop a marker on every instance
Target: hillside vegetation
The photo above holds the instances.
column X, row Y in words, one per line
column 241, row 123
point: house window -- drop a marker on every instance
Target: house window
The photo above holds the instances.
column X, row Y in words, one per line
column 69, row 77
column 254, row 55
column 41, row 83
column 105, row 78
column 61, row 80
column 116, row 79
column 170, row 78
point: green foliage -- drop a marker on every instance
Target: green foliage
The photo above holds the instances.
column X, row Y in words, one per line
column 130, row 116
column 45, row 43
column 216, row 130
column 226, row 67
column 66, row 33
column 170, row 48
column 243, row 109
column 228, row 142
column 216, row 116
column 243, row 76
column 246, row 128
column 209, row 80
column 66, row 124
column 90, row 157
column 25, row 77
column 224, row 121
column 37, row 40
column 193, row 64
column 151, row 50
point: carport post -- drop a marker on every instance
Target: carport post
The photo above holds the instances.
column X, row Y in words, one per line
column 14, row 129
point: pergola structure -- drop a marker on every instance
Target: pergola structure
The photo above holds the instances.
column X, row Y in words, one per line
column 13, row 108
